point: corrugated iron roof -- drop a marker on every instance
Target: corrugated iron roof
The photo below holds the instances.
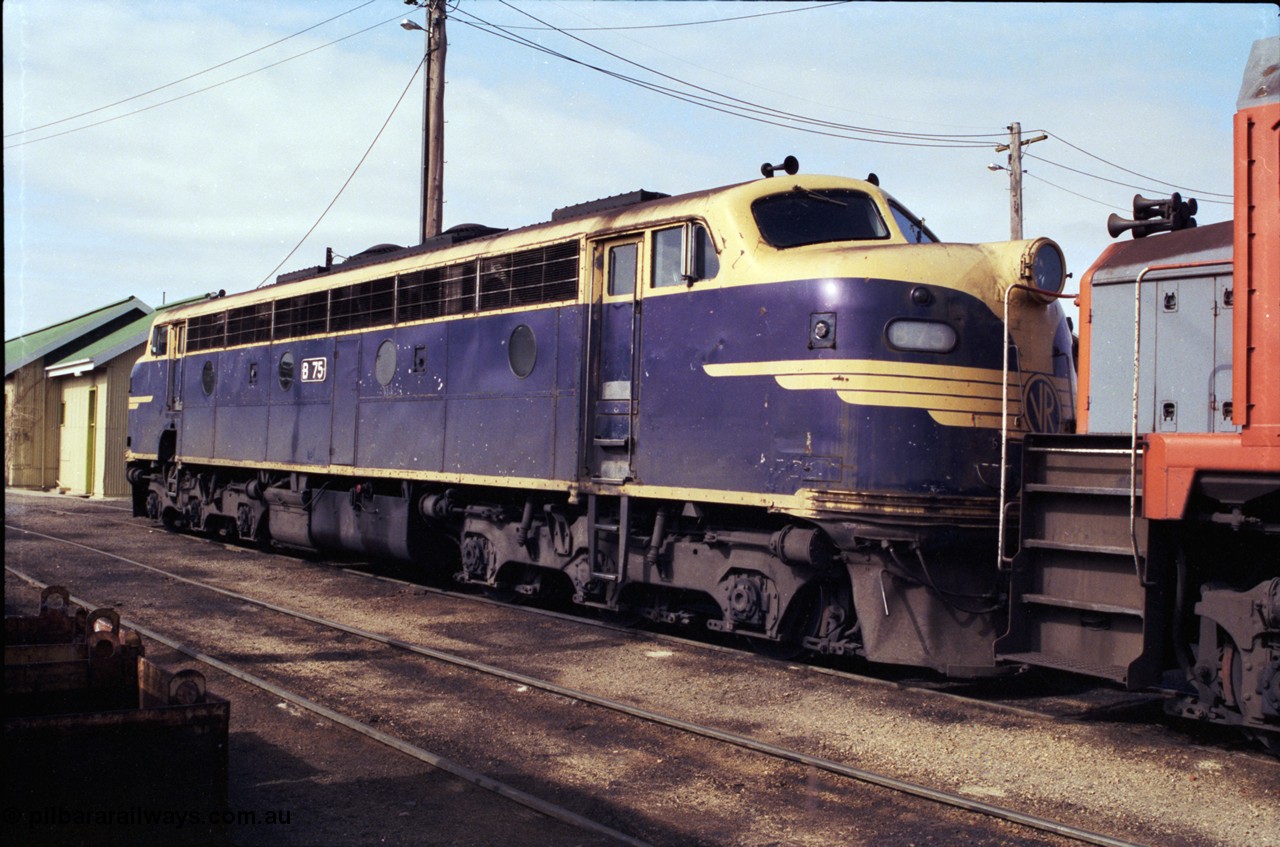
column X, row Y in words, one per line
column 25, row 349
column 103, row 350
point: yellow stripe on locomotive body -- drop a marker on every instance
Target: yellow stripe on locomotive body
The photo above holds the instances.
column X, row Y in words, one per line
column 952, row 395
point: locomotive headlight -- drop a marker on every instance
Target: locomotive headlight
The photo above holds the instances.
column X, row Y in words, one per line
column 922, row 336
column 1043, row 268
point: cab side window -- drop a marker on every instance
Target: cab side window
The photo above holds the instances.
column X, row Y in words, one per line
column 914, row 229
column 683, row 255
column 159, row 340
column 668, row 250
column 706, row 264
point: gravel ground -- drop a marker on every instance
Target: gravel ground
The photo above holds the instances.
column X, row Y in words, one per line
column 1136, row 781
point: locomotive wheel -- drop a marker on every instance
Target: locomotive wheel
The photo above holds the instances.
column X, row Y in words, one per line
column 804, row 619
column 171, row 520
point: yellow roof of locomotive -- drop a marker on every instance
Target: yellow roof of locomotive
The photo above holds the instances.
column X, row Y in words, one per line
column 726, row 211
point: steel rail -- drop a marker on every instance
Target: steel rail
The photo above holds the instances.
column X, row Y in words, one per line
column 798, row 664
column 358, row 569
column 858, row 774
column 355, row 569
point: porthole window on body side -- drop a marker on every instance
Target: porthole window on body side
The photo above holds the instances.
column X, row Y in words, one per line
column 522, row 351
column 384, row 364
column 208, row 378
column 286, row 370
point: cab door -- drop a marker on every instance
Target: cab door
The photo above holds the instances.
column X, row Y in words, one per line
column 617, row 269
column 345, row 411
column 177, row 342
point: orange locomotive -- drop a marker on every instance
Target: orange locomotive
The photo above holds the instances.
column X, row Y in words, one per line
column 1150, row 546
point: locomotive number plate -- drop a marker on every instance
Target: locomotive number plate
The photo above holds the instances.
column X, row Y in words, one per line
column 315, row 370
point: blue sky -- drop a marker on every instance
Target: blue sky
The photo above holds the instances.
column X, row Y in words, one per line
column 213, row 191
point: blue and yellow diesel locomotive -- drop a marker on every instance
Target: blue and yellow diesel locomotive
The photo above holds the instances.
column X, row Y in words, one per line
column 781, row 408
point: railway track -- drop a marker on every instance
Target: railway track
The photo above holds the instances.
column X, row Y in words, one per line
column 1085, row 701
column 520, row 680
column 526, row 681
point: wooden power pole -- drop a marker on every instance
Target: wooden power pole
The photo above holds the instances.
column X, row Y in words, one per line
column 432, row 115
column 1014, row 147
column 433, row 123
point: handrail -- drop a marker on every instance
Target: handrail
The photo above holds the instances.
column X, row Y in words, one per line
column 1001, row 559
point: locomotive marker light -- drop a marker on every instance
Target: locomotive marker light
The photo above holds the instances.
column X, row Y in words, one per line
column 822, row 330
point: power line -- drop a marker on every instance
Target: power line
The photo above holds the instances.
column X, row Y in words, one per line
column 1124, row 184
column 714, row 100
column 734, row 106
column 746, row 109
column 1135, row 173
column 684, row 60
column 188, row 77
column 198, row 90
column 685, row 23
column 350, row 177
column 1074, row 193
column 751, row 106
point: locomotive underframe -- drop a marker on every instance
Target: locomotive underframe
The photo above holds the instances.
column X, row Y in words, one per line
column 765, row 576
column 1229, row 640
column 1236, row 664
